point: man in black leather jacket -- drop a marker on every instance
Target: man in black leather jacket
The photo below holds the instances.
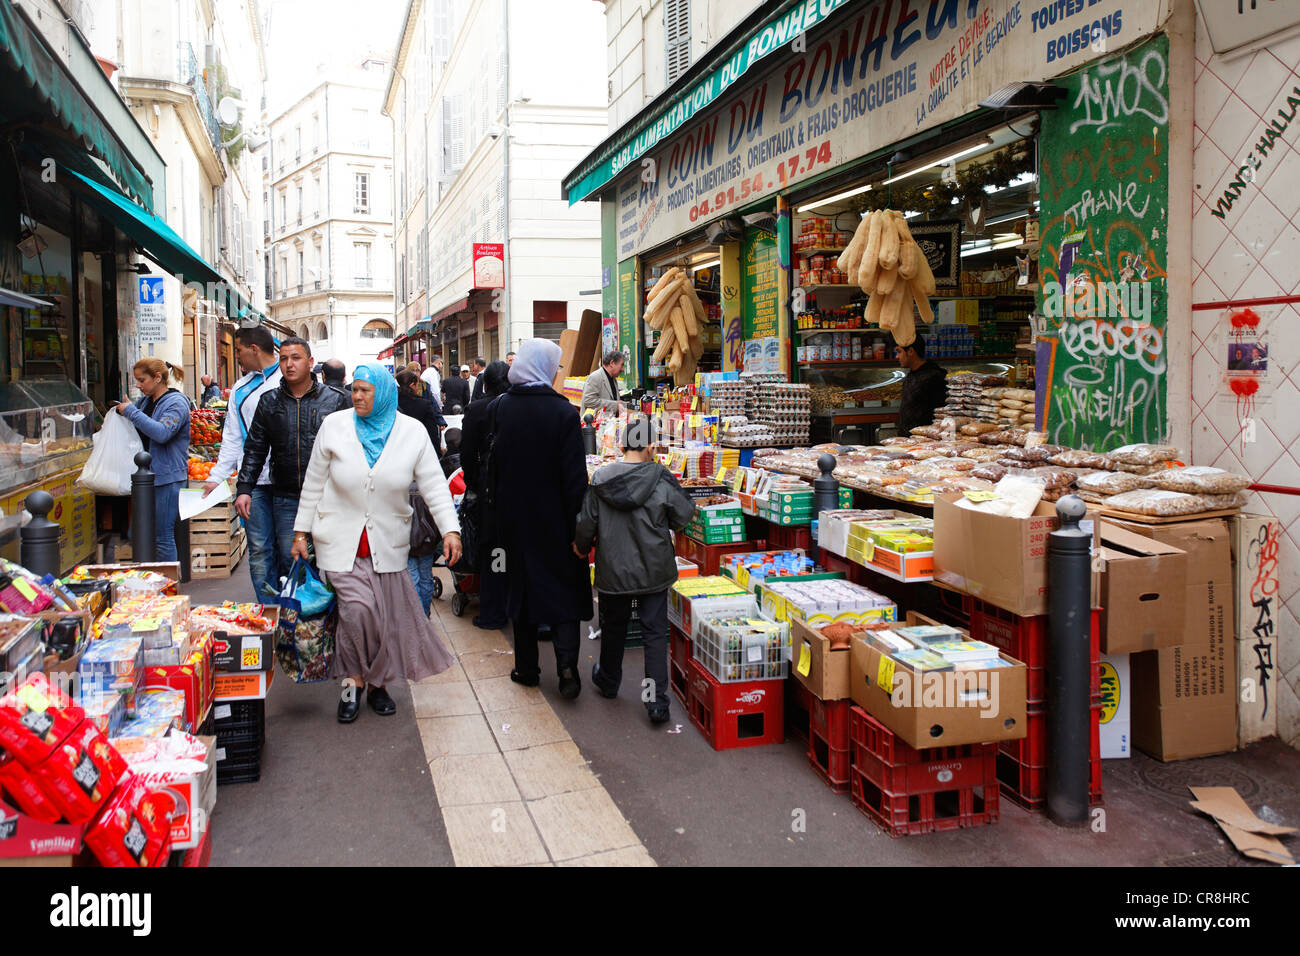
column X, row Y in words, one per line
column 285, row 427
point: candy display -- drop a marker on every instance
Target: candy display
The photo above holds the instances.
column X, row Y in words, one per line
column 132, row 829
column 824, row 602
column 742, row 648
column 231, row 618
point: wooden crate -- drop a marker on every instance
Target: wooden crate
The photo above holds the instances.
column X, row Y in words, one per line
column 216, row 559
column 221, row 520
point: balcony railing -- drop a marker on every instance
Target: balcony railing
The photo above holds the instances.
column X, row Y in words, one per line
column 188, row 72
column 358, row 207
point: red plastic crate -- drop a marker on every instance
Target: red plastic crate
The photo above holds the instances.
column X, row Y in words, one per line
column 1022, row 764
column 830, row 718
column 709, row 556
column 931, row 776
column 1025, row 639
column 787, row 537
column 679, row 679
column 745, row 714
column 798, row 704
column 679, row 646
column 908, row 814
column 877, row 739
column 1032, row 748
column 831, row 764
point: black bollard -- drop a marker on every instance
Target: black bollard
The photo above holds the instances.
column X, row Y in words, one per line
column 39, row 550
column 588, row 434
column 826, row 490
column 182, row 532
column 144, row 542
column 1068, row 659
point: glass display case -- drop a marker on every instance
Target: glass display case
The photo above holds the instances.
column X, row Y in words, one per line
column 46, row 426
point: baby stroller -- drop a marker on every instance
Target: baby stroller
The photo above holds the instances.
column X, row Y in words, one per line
column 464, row 579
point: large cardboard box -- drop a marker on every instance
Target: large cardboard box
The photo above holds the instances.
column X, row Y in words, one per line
column 1116, row 706
column 943, row 709
column 1143, row 592
column 999, row 560
column 823, row 671
column 1257, row 556
column 193, row 797
column 1184, row 700
column 243, row 653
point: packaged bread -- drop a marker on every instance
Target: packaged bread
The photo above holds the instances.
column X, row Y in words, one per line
column 1143, row 454
column 1109, row 483
column 1157, row 503
column 1200, row 480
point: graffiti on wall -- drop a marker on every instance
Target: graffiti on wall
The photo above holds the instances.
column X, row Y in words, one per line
column 1104, row 211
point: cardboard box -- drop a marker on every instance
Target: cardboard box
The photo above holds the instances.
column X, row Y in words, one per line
column 244, row 653
column 823, row 671
column 1143, row 592
column 1116, row 699
column 22, row 838
column 248, row 686
column 1257, row 556
column 168, row 569
column 999, row 560
column 943, row 709
column 193, row 797
column 1184, row 701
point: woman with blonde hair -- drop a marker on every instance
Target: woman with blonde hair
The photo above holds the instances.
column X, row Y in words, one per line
column 162, row 417
column 354, row 505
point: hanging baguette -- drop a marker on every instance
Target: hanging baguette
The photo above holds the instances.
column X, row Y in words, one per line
column 908, row 251
column 688, row 314
column 665, row 344
column 922, row 301
column 874, row 305
column 925, row 285
column 657, row 313
column 664, row 280
column 885, row 281
column 697, row 347
column 871, row 253
column 679, row 327
column 905, row 322
column 697, row 306
column 891, row 306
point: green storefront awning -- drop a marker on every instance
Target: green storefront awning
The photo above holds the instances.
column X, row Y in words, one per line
column 38, row 93
column 163, row 245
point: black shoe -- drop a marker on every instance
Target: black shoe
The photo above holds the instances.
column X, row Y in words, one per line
column 527, row 682
column 658, row 713
column 570, row 686
column 478, row 622
column 380, row 702
column 598, row 681
column 350, row 704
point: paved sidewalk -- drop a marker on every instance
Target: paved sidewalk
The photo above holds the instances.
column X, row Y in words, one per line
column 512, row 786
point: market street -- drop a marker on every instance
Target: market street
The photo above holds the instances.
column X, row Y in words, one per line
column 570, row 778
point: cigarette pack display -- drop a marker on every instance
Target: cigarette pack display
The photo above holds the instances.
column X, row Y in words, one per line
column 35, row 718
column 81, row 773
column 132, row 829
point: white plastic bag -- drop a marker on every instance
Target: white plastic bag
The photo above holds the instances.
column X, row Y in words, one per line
column 112, row 462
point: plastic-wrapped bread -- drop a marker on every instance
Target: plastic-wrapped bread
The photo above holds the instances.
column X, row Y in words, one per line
column 664, row 280
column 851, row 257
column 665, row 344
column 688, row 315
column 908, row 251
column 924, row 281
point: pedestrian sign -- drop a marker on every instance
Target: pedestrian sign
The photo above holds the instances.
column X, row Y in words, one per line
column 151, row 311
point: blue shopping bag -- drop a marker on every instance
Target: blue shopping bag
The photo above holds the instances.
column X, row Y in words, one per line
column 304, row 640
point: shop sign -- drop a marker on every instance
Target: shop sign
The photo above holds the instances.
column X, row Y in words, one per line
column 629, row 295
column 761, row 299
column 489, row 265
column 151, row 312
column 885, row 71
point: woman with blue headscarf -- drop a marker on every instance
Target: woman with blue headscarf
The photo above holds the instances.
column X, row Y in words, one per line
column 356, row 508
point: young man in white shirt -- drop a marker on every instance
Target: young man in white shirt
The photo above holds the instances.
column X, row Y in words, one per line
column 255, row 352
column 432, row 376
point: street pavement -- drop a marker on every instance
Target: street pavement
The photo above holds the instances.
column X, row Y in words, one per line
column 476, row 770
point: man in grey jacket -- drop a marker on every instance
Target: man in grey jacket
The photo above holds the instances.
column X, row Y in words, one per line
column 601, row 389
column 629, row 510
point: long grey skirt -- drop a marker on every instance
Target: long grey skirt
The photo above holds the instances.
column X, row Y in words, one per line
column 383, row 633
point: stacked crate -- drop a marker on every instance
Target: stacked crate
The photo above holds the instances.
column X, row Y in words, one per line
column 217, row 542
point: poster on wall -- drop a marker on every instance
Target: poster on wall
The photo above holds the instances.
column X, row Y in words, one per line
column 1104, row 214
column 628, row 297
column 761, row 294
column 489, row 265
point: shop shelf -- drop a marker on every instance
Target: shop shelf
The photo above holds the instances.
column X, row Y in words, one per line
column 731, row 716
column 789, row 537
column 907, row 814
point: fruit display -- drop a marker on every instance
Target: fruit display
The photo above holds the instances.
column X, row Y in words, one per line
column 885, row 261
column 199, row 470
column 206, row 425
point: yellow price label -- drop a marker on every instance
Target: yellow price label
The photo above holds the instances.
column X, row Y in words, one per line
column 695, row 402
column 738, row 482
column 885, row 674
column 25, row 589
column 722, row 475
column 869, row 550
column 804, row 667
column 742, row 576
column 980, row 495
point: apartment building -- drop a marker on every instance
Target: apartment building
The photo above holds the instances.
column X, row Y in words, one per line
column 327, row 187
column 484, row 127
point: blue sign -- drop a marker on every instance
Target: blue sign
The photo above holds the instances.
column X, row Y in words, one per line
column 151, row 289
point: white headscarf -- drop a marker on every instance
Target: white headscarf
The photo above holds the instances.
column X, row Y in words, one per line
column 536, row 362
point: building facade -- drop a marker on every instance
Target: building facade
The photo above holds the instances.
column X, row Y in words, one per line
column 327, row 185
column 484, row 127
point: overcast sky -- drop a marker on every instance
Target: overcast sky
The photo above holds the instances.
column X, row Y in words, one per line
column 305, row 35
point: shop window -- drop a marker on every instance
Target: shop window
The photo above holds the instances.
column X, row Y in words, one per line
column 550, row 319
column 376, row 329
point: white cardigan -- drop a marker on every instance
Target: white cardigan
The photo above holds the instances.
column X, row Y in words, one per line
column 342, row 494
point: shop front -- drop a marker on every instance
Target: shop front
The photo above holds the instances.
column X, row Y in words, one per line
column 1039, row 194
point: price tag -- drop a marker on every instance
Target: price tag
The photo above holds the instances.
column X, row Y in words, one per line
column 742, row 576
column 980, row 495
column 250, row 653
column 695, row 403
column 25, row 589
column 885, row 674
column 804, row 667
column 146, row 624
column 738, row 482
column 754, row 654
column 221, row 712
column 722, row 475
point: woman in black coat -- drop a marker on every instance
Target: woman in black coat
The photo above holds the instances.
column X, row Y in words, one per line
column 411, row 402
column 541, row 478
column 474, row 428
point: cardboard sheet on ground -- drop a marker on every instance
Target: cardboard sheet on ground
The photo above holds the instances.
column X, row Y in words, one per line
column 1248, row 833
column 194, row 502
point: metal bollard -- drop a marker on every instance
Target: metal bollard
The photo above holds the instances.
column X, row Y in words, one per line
column 826, row 490
column 588, row 435
column 39, row 548
column 1068, row 658
column 144, row 540
column 183, row 554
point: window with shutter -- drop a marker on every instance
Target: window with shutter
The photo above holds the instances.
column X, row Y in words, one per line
column 501, row 76
column 677, row 37
column 501, row 208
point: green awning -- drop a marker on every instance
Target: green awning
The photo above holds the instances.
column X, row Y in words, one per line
column 163, row 245
column 38, row 93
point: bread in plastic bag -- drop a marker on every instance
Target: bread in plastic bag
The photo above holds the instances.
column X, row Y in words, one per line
column 1200, row 480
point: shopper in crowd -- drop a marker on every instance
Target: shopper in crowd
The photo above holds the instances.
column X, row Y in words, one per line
column 451, row 457
column 924, row 387
column 333, row 372
column 410, row 403
column 455, row 390
column 162, row 417
column 211, row 390
column 475, row 432
column 432, row 376
column 537, row 489
column 354, row 506
column 284, row 429
column 476, row 379
column 510, row 358
column 255, row 353
column 601, row 390
column 628, row 513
